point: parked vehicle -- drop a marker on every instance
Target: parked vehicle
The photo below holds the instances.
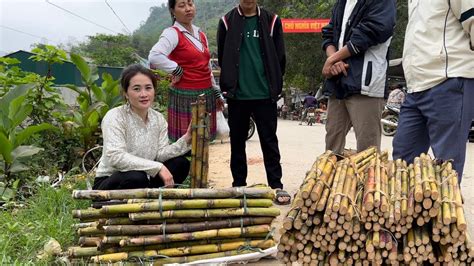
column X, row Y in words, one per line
column 389, row 120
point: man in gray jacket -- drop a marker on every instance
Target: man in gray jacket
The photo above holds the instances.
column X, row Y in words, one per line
column 438, row 60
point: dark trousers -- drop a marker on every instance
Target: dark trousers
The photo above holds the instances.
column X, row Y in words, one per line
column 265, row 116
column 439, row 118
column 179, row 168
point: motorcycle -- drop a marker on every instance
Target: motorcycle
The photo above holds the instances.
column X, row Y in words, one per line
column 389, row 120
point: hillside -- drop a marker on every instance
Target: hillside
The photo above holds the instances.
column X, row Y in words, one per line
column 207, row 18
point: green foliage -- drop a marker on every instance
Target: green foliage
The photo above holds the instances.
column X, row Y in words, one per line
column 44, row 96
column 14, row 110
column 47, row 214
column 109, row 50
column 12, row 75
column 93, row 101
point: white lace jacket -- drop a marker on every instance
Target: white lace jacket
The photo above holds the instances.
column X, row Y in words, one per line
column 130, row 144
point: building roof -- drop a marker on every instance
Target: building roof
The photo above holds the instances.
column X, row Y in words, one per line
column 65, row 73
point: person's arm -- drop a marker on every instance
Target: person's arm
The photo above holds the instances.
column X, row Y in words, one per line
column 115, row 148
column 221, row 36
column 279, row 44
column 464, row 11
column 158, row 56
column 166, row 151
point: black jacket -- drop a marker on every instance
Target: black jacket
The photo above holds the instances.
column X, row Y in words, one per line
column 368, row 34
column 229, row 40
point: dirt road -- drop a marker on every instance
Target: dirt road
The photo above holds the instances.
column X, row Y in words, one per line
column 299, row 147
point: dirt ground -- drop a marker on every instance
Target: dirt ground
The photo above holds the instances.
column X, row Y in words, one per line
column 299, row 147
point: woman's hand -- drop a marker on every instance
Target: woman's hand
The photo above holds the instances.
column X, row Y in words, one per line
column 219, row 104
column 175, row 80
column 166, row 176
column 188, row 135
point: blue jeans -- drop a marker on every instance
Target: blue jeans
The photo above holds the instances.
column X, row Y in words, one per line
column 439, row 118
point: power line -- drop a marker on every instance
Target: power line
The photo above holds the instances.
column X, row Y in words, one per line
column 129, row 32
column 83, row 18
column 26, row 33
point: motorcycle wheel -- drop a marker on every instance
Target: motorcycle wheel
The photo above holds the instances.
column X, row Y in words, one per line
column 389, row 130
column 251, row 128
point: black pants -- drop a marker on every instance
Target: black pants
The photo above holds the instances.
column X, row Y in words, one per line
column 265, row 115
column 179, row 168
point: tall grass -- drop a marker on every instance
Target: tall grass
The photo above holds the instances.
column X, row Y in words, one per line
column 24, row 231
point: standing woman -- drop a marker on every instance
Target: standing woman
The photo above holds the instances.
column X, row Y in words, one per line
column 136, row 152
column 183, row 52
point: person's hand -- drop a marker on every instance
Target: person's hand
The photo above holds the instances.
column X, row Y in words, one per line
column 327, row 68
column 166, row 176
column 219, row 104
column 188, row 135
column 338, row 68
column 175, row 79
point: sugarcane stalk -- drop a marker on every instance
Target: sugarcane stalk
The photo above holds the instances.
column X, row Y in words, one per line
column 248, row 231
column 200, row 140
column 187, row 259
column 369, row 188
column 342, row 183
column 418, row 180
column 184, row 251
column 312, row 176
column 230, row 212
column 404, row 192
column 377, row 194
column 348, row 191
column 185, row 204
column 194, row 123
column 205, row 155
column 93, row 214
column 153, row 193
column 321, row 204
column 445, row 197
column 130, row 230
column 77, row 252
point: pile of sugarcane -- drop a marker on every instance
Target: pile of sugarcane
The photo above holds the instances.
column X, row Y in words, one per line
column 200, row 124
column 173, row 225
column 365, row 209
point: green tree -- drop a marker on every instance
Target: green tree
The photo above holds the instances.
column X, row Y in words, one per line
column 109, row 50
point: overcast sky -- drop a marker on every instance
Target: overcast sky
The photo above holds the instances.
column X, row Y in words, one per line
column 24, row 22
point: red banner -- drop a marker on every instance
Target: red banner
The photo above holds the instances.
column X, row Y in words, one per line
column 303, row 25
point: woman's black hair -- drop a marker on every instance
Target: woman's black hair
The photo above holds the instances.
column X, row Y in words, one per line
column 171, row 6
column 131, row 71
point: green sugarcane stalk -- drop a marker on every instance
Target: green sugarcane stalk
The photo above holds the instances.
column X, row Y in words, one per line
column 185, row 204
column 128, row 230
column 184, row 251
column 212, row 213
column 237, row 232
column 176, row 193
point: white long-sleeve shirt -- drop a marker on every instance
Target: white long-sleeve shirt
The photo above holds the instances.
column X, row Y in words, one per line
column 130, row 144
column 439, row 42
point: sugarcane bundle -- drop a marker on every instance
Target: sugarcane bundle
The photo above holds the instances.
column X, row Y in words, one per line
column 200, row 124
column 183, row 224
column 375, row 211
